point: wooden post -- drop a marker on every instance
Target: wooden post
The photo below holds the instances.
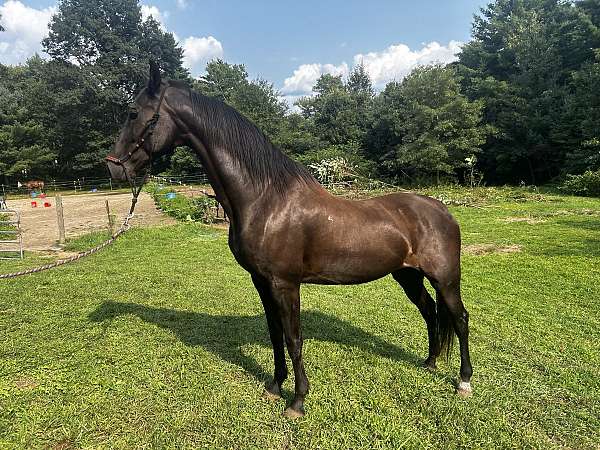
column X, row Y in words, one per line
column 61, row 219
column 111, row 221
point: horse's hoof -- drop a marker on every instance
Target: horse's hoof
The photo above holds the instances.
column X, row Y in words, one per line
column 464, row 389
column 292, row 413
column 271, row 396
column 429, row 365
column 272, row 391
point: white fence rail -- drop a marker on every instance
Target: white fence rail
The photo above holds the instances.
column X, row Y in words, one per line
column 11, row 238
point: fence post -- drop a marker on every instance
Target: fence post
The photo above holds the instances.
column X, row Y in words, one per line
column 111, row 221
column 110, row 181
column 61, row 220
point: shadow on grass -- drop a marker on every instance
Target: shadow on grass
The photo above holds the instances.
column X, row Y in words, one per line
column 588, row 246
column 588, row 223
column 225, row 335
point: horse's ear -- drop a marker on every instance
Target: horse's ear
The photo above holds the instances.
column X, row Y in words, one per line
column 154, row 80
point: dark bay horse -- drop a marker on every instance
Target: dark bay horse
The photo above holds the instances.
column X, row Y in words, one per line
column 286, row 229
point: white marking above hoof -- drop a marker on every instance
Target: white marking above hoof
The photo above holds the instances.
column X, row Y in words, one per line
column 464, row 389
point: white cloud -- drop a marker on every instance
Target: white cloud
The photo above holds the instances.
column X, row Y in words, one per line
column 396, row 61
column 393, row 63
column 25, row 27
column 155, row 13
column 305, row 77
column 290, row 100
column 197, row 51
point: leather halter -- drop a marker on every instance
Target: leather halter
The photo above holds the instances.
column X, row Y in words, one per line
column 146, row 132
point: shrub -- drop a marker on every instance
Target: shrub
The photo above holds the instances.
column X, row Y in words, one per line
column 197, row 209
column 356, row 163
column 586, row 184
column 333, row 170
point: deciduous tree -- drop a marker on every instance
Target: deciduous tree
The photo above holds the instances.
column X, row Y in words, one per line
column 425, row 126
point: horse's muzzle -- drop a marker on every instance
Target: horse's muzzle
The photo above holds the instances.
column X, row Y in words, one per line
column 117, row 171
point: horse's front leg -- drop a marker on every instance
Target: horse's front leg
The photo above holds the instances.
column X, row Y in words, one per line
column 287, row 299
column 272, row 388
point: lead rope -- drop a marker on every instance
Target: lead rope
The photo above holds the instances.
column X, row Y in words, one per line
column 124, row 227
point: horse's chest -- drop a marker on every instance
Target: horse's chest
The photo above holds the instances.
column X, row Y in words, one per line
column 258, row 255
column 242, row 251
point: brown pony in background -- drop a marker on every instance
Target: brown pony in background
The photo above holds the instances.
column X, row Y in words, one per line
column 37, row 184
column 286, row 229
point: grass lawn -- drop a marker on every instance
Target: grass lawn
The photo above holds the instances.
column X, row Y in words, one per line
column 160, row 342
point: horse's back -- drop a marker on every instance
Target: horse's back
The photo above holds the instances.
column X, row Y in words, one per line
column 422, row 208
column 350, row 241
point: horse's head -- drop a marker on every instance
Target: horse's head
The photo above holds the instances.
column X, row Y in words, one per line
column 149, row 129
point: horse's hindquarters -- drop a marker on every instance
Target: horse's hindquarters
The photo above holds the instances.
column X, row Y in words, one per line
column 358, row 241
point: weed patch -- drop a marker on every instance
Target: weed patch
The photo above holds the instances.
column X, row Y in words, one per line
column 486, row 249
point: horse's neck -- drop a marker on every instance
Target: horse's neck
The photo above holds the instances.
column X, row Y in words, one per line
column 231, row 187
column 232, row 184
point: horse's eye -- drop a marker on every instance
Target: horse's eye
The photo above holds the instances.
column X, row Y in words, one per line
column 133, row 115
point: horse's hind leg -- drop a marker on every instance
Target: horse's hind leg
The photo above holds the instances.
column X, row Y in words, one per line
column 411, row 281
column 450, row 302
column 273, row 388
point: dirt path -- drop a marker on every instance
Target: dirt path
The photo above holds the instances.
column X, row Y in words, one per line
column 83, row 214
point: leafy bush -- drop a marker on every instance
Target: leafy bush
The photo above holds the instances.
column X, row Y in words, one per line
column 586, row 184
column 197, row 209
column 184, row 162
column 333, row 170
column 350, row 153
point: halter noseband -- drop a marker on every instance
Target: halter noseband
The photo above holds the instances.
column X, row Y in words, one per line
column 146, row 132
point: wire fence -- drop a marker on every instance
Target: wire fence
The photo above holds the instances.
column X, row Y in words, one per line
column 91, row 185
column 97, row 217
column 180, row 180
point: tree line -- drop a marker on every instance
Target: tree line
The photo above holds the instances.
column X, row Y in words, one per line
column 521, row 103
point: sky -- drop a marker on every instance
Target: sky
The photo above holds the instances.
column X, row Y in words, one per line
column 287, row 43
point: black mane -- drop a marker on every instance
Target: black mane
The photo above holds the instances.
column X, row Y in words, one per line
column 264, row 164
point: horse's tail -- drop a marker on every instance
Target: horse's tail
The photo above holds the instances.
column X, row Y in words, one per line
column 446, row 331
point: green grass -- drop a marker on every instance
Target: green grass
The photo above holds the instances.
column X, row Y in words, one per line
column 160, row 342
